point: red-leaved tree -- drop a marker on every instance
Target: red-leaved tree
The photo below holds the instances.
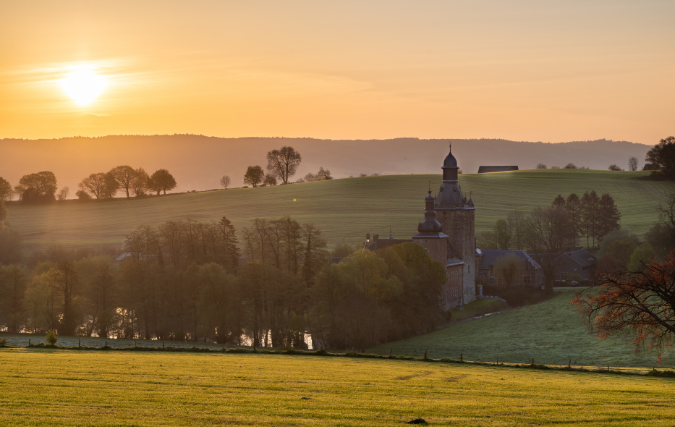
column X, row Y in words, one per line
column 639, row 301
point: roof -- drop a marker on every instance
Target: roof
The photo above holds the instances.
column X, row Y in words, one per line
column 490, row 256
column 650, row 167
column 486, row 169
column 582, row 257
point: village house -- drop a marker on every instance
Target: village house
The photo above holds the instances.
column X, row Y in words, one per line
column 533, row 274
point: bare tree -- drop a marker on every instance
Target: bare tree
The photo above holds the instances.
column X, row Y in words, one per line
column 541, row 166
column 63, row 193
column 225, row 181
column 633, row 164
column 283, row 163
column 124, row 175
column 94, row 184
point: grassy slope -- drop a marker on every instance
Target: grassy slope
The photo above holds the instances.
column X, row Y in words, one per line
column 550, row 332
column 345, row 209
column 46, row 387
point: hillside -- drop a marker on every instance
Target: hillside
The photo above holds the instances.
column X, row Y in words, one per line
column 344, row 209
column 198, row 161
column 550, row 332
column 61, row 387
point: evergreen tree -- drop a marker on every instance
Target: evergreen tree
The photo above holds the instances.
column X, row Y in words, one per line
column 559, row 201
column 608, row 216
column 573, row 206
column 590, row 216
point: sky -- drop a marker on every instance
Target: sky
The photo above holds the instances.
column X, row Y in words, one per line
column 542, row 70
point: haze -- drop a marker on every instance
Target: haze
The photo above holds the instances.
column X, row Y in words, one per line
column 519, row 70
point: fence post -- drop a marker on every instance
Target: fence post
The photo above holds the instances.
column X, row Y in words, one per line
column 569, row 363
column 28, row 342
column 390, row 353
column 497, row 360
column 78, row 343
column 425, row 354
column 533, row 361
column 461, row 357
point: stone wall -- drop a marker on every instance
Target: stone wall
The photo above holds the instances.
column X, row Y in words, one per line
column 459, row 225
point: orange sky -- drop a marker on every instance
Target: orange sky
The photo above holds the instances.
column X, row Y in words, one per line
column 522, row 70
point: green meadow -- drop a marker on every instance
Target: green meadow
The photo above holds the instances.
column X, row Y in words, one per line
column 344, row 209
column 73, row 388
column 549, row 332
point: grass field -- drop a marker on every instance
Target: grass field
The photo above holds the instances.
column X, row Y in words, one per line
column 344, row 209
column 68, row 388
column 550, row 332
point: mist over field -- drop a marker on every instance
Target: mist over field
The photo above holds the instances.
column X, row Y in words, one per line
column 199, row 161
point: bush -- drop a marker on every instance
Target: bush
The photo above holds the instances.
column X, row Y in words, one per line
column 51, row 337
column 570, row 166
column 615, row 168
column 3, row 342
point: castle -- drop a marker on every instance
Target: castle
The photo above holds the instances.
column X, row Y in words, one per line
column 448, row 234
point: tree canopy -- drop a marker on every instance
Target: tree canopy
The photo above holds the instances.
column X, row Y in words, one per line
column 283, row 163
column 37, row 187
column 162, row 181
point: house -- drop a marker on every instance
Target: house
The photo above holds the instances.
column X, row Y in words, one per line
column 579, row 262
column 651, row 167
column 487, row 169
column 533, row 275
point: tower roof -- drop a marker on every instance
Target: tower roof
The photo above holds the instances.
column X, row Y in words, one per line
column 450, row 160
column 430, row 227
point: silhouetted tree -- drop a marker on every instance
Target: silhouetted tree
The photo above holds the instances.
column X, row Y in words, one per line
column 140, row 182
column 608, row 216
column 559, row 202
column 254, row 176
column 270, row 180
column 283, row 163
column 541, row 166
column 37, row 187
column 590, row 216
column 6, row 191
column 663, row 155
column 573, row 206
column 124, row 175
column 615, row 168
column 99, row 185
column 12, row 292
column 162, row 180
column 570, row 166
column 63, row 193
column 633, row 164
column 502, row 234
column 225, row 181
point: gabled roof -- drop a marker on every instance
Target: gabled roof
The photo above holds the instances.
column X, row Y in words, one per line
column 582, row 257
column 490, row 257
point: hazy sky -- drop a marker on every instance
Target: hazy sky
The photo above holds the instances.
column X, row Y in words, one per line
column 524, row 70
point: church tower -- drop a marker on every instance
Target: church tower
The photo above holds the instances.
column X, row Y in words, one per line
column 457, row 216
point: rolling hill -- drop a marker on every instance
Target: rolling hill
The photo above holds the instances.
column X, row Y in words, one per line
column 198, row 161
column 550, row 332
column 344, row 209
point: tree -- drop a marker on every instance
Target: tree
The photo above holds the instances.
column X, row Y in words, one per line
column 96, row 184
column 140, row 182
column 82, row 195
column 509, row 268
column 270, row 180
column 6, row 191
column 633, row 164
column 502, row 234
column 614, row 167
column 37, row 187
column 517, row 221
column 608, row 216
column 283, row 163
column 12, row 292
column 662, row 155
column 323, row 175
column 124, row 175
column 570, row 166
column 541, row 166
column 559, row 201
column 642, row 302
column 573, row 207
column 162, row 180
column 254, row 176
column 225, row 181
column 550, row 234
column 590, row 208
column 621, row 251
column 10, row 240
column 63, row 193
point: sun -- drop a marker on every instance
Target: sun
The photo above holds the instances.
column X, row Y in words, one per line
column 83, row 86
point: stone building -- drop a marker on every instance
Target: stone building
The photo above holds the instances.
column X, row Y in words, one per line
column 448, row 234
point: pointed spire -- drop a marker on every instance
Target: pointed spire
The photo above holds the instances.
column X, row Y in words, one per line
column 390, row 236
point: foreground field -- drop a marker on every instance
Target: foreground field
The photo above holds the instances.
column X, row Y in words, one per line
column 550, row 332
column 344, row 209
column 56, row 387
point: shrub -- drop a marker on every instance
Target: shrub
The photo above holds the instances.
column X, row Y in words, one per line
column 51, row 337
column 570, row 166
column 615, row 168
column 3, row 342
column 541, row 166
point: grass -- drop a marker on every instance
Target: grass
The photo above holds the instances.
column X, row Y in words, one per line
column 57, row 387
column 344, row 209
column 478, row 308
column 550, row 332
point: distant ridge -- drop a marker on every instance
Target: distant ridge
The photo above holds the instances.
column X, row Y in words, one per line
column 198, row 161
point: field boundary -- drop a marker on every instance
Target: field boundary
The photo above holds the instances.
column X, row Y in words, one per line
column 323, row 353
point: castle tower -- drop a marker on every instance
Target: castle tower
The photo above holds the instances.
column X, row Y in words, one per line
column 457, row 216
column 430, row 233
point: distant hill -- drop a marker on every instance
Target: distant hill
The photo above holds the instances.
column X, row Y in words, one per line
column 344, row 209
column 198, row 161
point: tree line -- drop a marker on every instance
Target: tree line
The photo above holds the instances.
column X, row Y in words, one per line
column 41, row 187
column 187, row 280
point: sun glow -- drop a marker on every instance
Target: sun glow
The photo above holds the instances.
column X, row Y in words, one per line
column 83, row 86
